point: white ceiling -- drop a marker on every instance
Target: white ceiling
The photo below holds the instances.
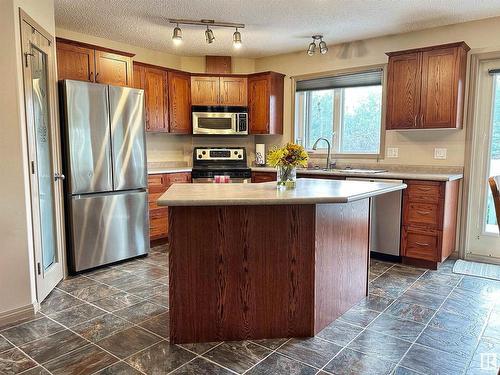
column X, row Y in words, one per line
column 272, row 26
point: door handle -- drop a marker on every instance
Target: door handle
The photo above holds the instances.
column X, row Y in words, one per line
column 59, row 176
column 415, row 121
column 423, row 212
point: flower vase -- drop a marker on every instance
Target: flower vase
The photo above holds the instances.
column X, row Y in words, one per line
column 286, row 177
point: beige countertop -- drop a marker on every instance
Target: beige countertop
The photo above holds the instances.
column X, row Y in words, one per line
column 308, row 191
column 403, row 175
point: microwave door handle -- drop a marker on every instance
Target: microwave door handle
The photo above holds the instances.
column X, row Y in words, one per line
column 234, row 122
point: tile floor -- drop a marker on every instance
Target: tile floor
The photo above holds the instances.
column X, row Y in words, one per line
column 115, row 321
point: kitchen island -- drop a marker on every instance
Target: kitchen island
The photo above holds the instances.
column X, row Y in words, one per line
column 248, row 261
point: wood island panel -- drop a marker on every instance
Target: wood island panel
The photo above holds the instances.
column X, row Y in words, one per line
column 228, row 283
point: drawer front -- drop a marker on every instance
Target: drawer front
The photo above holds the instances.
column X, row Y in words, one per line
column 152, row 198
column 420, row 245
column 174, row 178
column 428, row 191
column 158, row 223
column 422, row 214
column 263, row 177
column 156, row 183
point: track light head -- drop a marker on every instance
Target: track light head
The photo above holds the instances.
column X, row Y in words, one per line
column 323, row 49
column 237, row 39
column 312, row 49
column 177, row 35
column 209, row 35
column 312, row 46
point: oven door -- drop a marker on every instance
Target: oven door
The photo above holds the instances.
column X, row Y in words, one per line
column 218, row 123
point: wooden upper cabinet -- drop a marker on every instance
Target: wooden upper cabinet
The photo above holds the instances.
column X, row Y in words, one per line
column 265, row 103
column 233, row 91
column 138, row 73
column 403, row 98
column 156, row 99
column 74, row 62
column 113, row 69
column 426, row 87
column 205, row 90
column 85, row 62
column 179, row 106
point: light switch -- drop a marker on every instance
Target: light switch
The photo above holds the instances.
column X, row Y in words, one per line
column 392, row 152
column 440, row 153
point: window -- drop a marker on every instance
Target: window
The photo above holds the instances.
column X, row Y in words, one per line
column 345, row 109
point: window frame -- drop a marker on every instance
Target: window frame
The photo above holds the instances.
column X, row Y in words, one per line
column 337, row 113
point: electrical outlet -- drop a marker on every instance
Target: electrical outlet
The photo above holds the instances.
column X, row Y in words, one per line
column 440, row 153
column 392, row 152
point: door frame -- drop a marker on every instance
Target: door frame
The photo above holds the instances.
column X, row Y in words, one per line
column 43, row 283
column 477, row 56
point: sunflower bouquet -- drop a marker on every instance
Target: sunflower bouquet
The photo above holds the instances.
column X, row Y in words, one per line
column 286, row 159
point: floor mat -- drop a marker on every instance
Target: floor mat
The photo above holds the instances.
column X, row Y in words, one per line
column 465, row 267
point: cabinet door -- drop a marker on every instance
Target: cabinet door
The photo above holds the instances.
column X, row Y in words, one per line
column 403, row 96
column 233, row 91
column 113, row 69
column 74, row 62
column 205, row 90
column 258, row 105
column 440, row 80
column 155, row 87
column 139, row 72
column 179, row 92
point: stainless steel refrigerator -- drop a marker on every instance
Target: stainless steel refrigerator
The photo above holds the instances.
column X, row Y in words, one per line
column 105, row 165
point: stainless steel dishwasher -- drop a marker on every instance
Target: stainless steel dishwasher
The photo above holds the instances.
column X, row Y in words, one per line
column 385, row 221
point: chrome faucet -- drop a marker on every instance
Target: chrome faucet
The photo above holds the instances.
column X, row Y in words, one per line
column 315, row 146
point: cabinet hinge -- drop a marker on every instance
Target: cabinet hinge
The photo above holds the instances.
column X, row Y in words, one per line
column 39, row 268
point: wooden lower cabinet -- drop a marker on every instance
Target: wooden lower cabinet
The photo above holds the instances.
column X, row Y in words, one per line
column 429, row 218
column 158, row 215
column 429, row 222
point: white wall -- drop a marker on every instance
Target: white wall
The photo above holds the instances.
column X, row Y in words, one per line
column 17, row 288
column 415, row 147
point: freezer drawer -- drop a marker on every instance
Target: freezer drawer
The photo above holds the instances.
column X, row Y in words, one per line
column 106, row 228
column 88, row 146
column 127, row 138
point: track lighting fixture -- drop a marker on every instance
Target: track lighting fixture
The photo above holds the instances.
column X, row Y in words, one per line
column 209, row 34
column 237, row 39
column 177, row 35
column 323, row 49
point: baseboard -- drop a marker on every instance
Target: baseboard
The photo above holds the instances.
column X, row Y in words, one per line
column 385, row 257
column 482, row 259
column 16, row 316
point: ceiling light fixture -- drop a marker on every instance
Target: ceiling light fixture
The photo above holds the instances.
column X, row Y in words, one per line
column 323, row 49
column 177, row 35
column 237, row 39
column 209, row 34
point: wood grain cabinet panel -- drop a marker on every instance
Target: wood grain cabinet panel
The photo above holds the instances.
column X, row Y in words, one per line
column 179, row 91
column 205, row 90
column 86, row 62
column 265, row 103
column 113, row 69
column 233, row 91
column 156, row 100
column 403, row 100
column 425, row 87
column 429, row 222
column 158, row 215
column 75, row 62
column 139, row 73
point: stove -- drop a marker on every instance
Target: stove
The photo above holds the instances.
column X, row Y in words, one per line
column 209, row 162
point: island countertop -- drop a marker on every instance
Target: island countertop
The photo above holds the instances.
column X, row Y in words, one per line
column 308, row 191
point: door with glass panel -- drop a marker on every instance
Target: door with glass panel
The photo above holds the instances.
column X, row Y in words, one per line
column 44, row 155
column 483, row 234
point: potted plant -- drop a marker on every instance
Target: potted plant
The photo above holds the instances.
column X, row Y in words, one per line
column 286, row 159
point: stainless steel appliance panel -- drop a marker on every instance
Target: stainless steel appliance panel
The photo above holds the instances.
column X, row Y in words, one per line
column 128, row 138
column 220, row 123
column 385, row 220
column 108, row 227
column 88, row 137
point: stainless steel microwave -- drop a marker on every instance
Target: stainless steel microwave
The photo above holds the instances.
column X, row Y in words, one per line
column 220, row 120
